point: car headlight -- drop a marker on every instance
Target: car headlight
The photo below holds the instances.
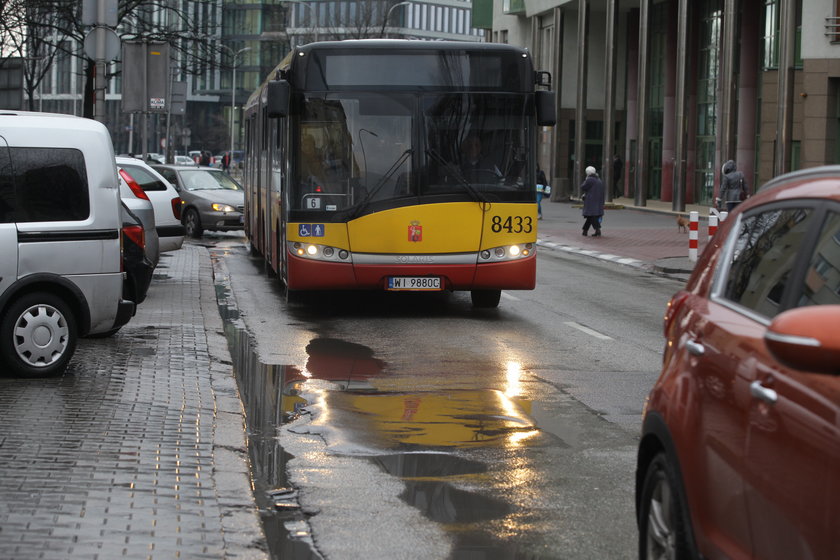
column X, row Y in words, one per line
column 506, row 253
column 319, row 252
column 222, row 207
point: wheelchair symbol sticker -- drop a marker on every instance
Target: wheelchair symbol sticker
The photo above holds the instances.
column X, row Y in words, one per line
column 311, row 230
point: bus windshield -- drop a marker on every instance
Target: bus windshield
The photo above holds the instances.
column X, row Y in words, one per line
column 363, row 152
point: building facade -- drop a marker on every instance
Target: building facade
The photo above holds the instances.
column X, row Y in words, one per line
column 678, row 87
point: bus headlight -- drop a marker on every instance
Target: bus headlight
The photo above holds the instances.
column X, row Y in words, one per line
column 506, row 253
column 318, row 252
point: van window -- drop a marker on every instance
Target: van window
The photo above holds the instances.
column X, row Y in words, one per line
column 50, row 184
column 7, row 187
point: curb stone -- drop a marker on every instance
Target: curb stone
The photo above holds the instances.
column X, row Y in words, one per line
column 243, row 534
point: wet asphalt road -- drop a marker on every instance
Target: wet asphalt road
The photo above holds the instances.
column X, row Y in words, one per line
column 413, row 426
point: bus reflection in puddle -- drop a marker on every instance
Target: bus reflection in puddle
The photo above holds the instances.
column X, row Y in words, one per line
column 387, row 420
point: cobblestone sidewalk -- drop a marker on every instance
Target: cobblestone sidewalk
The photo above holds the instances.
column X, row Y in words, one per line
column 138, row 451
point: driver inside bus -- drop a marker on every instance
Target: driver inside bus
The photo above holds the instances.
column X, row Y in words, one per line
column 476, row 166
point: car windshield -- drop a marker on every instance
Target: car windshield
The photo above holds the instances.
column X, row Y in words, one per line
column 202, row 179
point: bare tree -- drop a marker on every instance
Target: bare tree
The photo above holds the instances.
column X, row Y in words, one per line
column 42, row 30
column 21, row 39
column 359, row 19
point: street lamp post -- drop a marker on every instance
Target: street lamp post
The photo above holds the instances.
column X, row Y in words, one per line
column 388, row 16
column 234, row 55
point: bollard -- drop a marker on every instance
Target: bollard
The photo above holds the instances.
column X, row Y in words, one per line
column 715, row 217
column 693, row 226
column 713, row 225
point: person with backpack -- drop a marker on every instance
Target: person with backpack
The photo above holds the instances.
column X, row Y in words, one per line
column 733, row 187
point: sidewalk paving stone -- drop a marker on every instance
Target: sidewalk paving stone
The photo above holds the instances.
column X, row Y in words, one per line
column 128, row 455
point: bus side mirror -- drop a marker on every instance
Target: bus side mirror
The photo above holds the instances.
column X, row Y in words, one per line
column 546, row 108
column 277, row 94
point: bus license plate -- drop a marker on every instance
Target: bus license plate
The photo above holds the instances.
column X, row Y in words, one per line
column 414, row 283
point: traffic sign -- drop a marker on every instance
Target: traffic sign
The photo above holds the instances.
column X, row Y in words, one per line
column 112, row 43
column 90, row 12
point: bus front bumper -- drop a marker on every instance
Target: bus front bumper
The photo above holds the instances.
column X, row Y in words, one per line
column 306, row 274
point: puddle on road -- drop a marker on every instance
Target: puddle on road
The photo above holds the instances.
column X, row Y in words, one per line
column 401, row 424
column 429, row 484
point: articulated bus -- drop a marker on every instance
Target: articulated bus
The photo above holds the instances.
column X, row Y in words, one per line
column 397, row 165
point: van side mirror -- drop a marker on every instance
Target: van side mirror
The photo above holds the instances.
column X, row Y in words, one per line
column 546, row 107
column 277, row 95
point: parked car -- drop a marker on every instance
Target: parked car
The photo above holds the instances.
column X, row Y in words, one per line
column 184, row 160
column 61, row 271
column 137, row 202
column 740, row 449
column 213, row 200
column 138, row 260
column 164, row 198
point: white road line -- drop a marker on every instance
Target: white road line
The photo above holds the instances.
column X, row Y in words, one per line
column 510, row 297
column 587, row 330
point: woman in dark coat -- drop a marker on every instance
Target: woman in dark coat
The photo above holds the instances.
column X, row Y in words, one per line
column 592, row 191
column 733, row 188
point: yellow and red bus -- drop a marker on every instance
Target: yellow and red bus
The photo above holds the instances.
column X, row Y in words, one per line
column 397, row 165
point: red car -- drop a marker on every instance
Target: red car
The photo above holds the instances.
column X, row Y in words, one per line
column 740, row 449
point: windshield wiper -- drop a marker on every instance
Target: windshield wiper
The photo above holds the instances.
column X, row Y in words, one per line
column 381, row 183
column 451, row 167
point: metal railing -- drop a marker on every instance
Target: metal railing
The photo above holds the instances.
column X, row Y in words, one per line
column 832, row 29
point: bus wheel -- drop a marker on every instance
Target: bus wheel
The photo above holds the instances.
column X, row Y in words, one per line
column 486, row 298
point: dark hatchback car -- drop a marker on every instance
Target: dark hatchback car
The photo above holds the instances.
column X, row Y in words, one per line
column 740, row 449
column 137, row 262
column 137, row 265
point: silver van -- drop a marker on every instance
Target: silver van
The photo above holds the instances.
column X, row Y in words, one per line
column 61, row 271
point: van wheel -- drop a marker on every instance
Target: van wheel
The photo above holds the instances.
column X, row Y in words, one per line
column 38, row 335
column 192, row 224
column 486, row 298
column 662, row 526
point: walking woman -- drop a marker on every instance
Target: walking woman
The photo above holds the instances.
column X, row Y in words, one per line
column 592, row 192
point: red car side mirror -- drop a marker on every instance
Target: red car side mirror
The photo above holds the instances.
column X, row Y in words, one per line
column 807, row 338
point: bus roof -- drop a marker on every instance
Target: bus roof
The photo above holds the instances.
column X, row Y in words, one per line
column 496, row 66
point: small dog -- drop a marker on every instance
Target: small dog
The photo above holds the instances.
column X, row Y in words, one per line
column 682, row 224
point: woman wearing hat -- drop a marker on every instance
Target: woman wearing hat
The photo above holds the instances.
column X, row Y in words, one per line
column 592, row 193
